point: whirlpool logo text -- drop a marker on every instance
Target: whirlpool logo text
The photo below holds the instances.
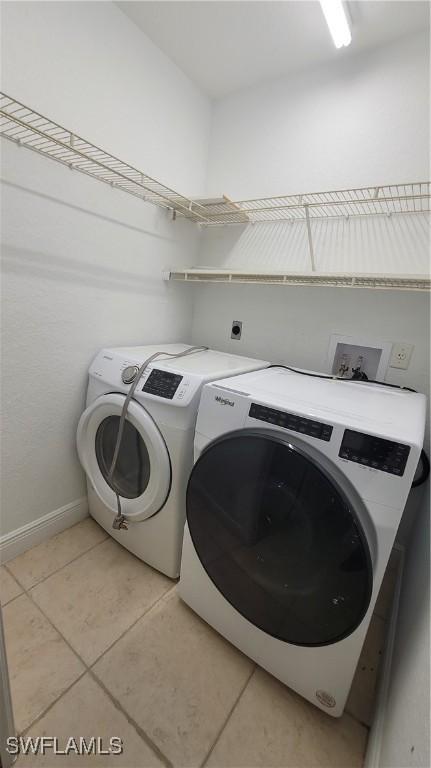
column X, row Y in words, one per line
column 224, row 401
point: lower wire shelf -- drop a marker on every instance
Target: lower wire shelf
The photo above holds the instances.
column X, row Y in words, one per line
column 328, row 279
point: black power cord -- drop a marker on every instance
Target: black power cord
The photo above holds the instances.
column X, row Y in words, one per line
column 361, row 378
column 425, row 470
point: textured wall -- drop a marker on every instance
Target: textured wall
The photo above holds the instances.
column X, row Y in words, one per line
column 363, row 122
column 81, row 262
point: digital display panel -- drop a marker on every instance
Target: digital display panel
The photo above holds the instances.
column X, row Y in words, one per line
column 162, row 383
column 374, row 452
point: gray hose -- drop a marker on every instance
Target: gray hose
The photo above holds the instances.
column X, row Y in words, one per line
column 119, row 522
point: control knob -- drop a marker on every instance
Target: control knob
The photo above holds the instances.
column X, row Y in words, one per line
column 129, row 374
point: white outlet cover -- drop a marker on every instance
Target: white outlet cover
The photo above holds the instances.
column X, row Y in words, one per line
column 400, row 355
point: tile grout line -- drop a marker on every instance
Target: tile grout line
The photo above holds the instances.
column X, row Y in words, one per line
column 30, row 597
column 27, row 590
column 117, row 705
column 12, row 600
column 231, row 711
column 53, row 703
column 28, row 593
column 57, row 570
column 120, row 637
column 89, row 670
column 140, row 731
column 228, row 717
column 59, row 632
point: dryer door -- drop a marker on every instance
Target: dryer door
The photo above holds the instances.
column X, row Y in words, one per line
column 280, row 537
column 142, row 475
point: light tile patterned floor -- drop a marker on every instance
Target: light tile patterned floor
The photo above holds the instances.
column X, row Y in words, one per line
column 99, row 644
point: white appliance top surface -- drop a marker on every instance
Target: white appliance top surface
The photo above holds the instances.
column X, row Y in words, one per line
column 371, row 408
column 208, row 364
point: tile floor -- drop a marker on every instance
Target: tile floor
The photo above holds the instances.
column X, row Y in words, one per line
column 99, row 644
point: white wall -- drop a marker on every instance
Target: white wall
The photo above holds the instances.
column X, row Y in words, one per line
column 81, row 262
column 363, row 123
column 382, row 244
column 406, row 739
column 90, row 68
column 293, row 325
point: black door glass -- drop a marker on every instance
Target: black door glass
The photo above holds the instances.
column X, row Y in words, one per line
column 132, row 470
column 279, row 540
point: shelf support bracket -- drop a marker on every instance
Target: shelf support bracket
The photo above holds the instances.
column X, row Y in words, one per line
column 310, row 238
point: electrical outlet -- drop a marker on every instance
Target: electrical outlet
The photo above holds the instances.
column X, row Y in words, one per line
column 236, row 329
column 400, row 355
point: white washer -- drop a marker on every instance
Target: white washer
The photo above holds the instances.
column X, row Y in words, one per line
column 292, row 509
column 156, row 453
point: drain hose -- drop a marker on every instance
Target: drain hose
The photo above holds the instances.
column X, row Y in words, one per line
column 120, row 521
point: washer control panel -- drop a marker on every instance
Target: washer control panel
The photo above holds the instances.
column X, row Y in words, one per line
column 374, row 452
column 162, row 383
column 291, row 421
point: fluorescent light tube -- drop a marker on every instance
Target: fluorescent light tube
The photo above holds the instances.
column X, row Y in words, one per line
column 336, row 20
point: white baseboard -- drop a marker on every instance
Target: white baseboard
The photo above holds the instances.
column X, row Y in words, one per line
column 375, row 739
column 16, row 542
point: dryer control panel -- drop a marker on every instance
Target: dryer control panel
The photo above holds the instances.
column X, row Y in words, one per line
column 291, row 421
column 162, row 383
column 374, row 452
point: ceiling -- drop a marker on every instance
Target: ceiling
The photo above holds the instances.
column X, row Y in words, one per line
column 227, row 45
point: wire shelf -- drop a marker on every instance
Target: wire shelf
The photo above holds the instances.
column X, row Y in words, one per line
column 366, row 201
column 391, row 282
column 30, row 129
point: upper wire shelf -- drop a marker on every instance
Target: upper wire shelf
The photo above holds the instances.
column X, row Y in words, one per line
column 366, row 201
column 30, row 129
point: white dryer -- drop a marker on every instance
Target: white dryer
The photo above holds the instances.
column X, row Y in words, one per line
column 156, row 452
column 297, row 491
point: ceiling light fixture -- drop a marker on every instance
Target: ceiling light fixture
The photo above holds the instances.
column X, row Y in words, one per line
column 336, row 20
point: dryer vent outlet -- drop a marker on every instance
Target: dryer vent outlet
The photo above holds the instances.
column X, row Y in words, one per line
column 236, row 329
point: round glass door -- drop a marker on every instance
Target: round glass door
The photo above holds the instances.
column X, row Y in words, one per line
column 279, row 539
column 132, row 469
column 142, row 475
